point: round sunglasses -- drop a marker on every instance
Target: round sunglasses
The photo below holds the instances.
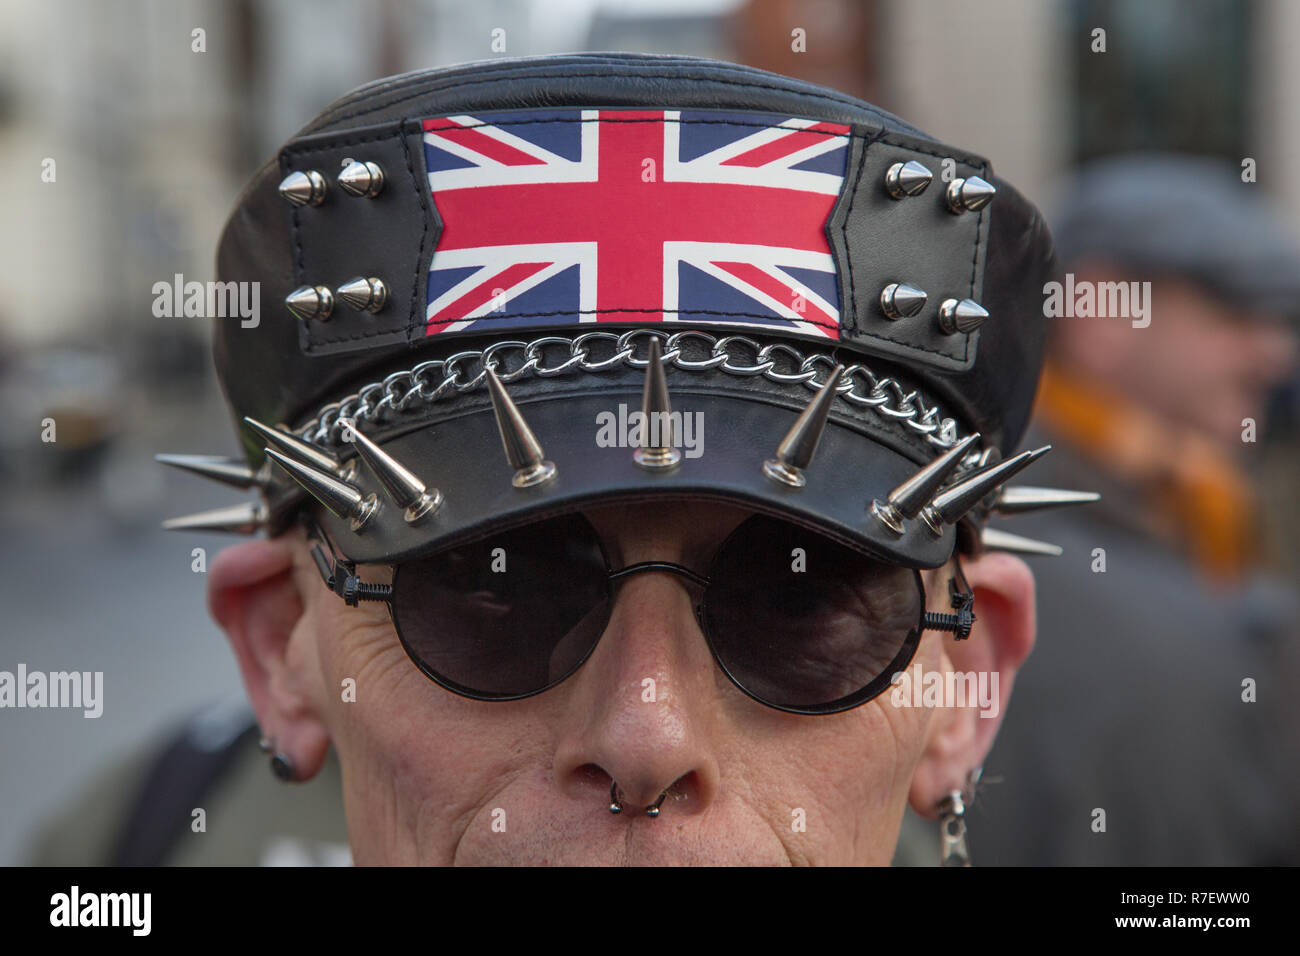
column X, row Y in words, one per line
column 795, row 620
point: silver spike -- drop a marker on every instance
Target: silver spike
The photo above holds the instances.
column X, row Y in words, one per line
column 361, row 178
column 898, row 300
column 302, row 189
column 364, row 294
column 247, row 518
column 306, row 453
column 1018, row 500
column 523, row 450
column 950, row 504
column 656, row 409
column 964, row 316
column 907, row 500
column 995, row 540
column 796, row 450
column 340, row 498
column 227, row 471
column 907, row 179
column 408, row 491
column 970, row 194
column 311, row 302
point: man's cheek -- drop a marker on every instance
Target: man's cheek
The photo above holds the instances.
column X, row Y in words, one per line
column 367, row 676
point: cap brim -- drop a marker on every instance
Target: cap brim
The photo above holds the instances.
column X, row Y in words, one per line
column 460, row 453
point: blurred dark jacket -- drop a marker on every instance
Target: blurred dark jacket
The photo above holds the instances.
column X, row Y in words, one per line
column 1132, row 700
column 140, row 811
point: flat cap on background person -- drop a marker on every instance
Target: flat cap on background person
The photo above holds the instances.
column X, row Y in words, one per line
column 1176, row 214
column 560, row 339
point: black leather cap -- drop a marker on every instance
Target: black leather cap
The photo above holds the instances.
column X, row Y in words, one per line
column 931, row 385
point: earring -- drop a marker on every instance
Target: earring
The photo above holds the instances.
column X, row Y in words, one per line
column 953, row 850
column 952, row 831
column 281, row 764
column 282, row 767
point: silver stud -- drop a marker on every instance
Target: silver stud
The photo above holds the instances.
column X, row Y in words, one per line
column 227, row 471
column 907, row 500
column 406, row 490
column 907, row 179
column 303, row 189
column 953, row 502
column 293, row 445
column 247, row 518
column 901, row 301
column 311, row 302
column 962, row 316
column 523, row 450
column 795, row 453
column 340, row 498
column 656, row 418
column 1018, row 500
column 995, row 540
column 969, row 195
column 364, row 295
column 361, row 178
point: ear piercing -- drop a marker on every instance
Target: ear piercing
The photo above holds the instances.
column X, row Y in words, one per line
column 953, row 850
column 281, row 763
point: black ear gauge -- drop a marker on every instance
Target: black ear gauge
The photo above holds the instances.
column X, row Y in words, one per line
column 962, row 600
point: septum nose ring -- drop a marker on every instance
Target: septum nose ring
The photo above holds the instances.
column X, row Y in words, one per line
column 616, row 807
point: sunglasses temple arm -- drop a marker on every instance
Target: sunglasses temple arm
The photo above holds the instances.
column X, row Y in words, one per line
column 963, row 602
column 323, row 566
column 347, row 585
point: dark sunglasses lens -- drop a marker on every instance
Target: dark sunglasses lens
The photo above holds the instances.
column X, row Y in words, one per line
column 508, row 616
column 806, row 624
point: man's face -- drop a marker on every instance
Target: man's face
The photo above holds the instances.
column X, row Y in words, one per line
column 434, row 778
column 1213, row 364
column 1200, row 362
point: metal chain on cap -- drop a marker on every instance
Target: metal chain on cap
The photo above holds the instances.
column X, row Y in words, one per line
column 434, row 380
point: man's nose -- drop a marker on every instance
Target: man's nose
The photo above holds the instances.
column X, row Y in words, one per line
column 643, row 709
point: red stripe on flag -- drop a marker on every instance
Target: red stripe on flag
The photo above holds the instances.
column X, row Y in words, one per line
column 781, row 292
column 505, row 280
column 778, row 148
column 471, row 138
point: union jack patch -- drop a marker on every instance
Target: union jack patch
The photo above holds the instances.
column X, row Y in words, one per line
column 561, row 217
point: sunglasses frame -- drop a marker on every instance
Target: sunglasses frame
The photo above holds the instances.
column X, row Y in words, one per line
column 339, row 575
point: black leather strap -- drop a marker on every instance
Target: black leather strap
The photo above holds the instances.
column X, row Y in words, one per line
column 390, row 236
column 878, row 240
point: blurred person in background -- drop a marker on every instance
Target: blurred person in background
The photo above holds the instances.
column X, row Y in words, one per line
column 1154, row 726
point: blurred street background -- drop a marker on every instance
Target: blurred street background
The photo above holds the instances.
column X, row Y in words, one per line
column 151, row 139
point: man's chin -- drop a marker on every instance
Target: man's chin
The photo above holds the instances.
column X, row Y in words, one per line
column 616, row 841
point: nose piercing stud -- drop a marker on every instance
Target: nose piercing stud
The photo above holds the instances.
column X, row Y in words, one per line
column 616, row 807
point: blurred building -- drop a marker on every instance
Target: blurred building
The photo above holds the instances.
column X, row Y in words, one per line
column 156, row 112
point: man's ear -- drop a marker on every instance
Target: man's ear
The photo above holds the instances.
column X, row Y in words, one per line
column 959, row 738
column 255, row 596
